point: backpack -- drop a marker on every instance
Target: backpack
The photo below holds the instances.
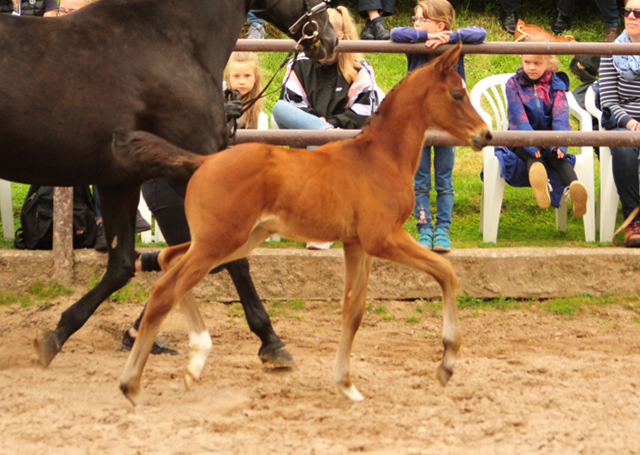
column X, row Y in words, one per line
column 36, row 216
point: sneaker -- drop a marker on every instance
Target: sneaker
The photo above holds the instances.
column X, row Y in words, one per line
column 426, row 238
column 159, row 345
column 375, row 30
column 611, row 33
column 508, row 21
column 579, row 196
column 101, row 240
column 141, row 223
column 441, row 242
column 256, row 31
column 561, row 23
column 632, row 236
column 538, row 180
column 319, row 245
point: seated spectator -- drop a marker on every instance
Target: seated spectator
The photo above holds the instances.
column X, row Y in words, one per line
column 620, row 100
column 340, row 92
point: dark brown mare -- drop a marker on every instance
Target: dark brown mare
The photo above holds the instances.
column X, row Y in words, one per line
column 152, row 65
column 362, row 193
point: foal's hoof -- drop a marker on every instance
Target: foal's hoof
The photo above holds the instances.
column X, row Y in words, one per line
column 350, row 392
column 133, row 395
column 189, row 381
column 443, row 375
column 278, row 357
column 47, row 346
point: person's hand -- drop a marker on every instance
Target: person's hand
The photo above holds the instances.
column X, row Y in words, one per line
column 233, row 109
column 537, row 154
column 438, row 38
column 632, row 125
column 560, row 153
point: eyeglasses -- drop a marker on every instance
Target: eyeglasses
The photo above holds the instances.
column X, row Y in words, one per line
column 626, row 12
column 420, row 19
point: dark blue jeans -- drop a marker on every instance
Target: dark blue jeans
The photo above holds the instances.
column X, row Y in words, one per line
column 625, row 175
column 608, row 9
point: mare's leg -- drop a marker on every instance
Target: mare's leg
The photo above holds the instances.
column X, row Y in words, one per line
column 401, row 248
column 273, row 350
column 358, row 266
column 119, row 213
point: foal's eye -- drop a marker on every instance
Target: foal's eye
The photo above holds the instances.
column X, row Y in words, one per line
column 458, row 96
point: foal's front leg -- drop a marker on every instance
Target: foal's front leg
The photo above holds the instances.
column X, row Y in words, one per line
column 358, row 266
column 401, row 248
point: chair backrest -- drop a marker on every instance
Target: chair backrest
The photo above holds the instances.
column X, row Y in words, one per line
column 492, row 88
column 591, row 106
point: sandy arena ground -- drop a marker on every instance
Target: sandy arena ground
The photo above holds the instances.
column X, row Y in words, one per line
column 526, row 382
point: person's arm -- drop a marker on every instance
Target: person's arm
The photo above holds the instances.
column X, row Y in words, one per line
column 364, row 98
column 560, row 116
column 518, row 119
column 468, row 35
column 51, row 8
column 293, row 92
column 408, row 35
column 609, row 95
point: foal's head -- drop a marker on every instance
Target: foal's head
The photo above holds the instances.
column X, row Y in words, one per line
column 439, row 96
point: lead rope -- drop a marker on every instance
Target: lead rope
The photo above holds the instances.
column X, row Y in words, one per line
column 625, row 223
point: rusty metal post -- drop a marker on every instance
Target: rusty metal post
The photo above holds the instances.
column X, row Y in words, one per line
column 63, row 235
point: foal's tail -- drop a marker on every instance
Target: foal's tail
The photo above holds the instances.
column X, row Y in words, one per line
column 146, row 156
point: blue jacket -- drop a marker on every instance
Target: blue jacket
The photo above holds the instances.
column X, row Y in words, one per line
column 539, row 105
column 468, row 35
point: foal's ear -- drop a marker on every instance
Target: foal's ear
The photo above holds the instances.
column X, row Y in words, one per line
column 448, row 59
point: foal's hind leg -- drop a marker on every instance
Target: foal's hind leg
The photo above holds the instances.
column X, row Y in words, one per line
column 401, row 248
column 199, row 339
column 358, row 266
column 169, row 288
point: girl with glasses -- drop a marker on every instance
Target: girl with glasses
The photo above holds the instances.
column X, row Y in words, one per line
column 432, row 25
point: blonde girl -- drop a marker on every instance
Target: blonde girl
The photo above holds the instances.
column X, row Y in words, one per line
column 243, row 74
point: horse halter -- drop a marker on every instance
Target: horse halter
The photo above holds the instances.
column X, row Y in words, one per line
column 310, row 28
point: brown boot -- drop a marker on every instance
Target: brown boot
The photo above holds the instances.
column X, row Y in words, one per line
column 611, row 33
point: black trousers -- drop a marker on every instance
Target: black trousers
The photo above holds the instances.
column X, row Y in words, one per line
column 562, row 166
column 385, row 7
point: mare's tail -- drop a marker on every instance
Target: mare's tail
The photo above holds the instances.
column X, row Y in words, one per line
column 147, row 156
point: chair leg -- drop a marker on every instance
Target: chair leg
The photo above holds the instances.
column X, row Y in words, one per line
column 6, row 210
column 493, row 192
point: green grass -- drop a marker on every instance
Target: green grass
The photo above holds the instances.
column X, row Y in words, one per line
column 522, row 223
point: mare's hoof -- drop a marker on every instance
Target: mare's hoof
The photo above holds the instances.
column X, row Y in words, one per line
column 278, row 357
column 443, row 375
column 47, row 346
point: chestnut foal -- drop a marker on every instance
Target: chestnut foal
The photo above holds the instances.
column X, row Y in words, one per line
column 357, row 191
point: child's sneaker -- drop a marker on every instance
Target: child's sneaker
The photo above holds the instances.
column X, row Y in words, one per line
column 538, row 181
column 579, row 196
column 426, row 238
column 441, row 242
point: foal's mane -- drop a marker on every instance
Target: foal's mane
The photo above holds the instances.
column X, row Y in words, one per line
column 389, row 99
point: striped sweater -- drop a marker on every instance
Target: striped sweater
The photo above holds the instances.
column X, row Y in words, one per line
column 621, row 96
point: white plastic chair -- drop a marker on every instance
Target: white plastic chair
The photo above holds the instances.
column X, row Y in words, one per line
column 492, row 89
column 6, row 210
column 608, row 206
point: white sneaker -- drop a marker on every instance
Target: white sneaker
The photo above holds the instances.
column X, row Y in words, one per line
column 256, row 31
column 319, row 245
